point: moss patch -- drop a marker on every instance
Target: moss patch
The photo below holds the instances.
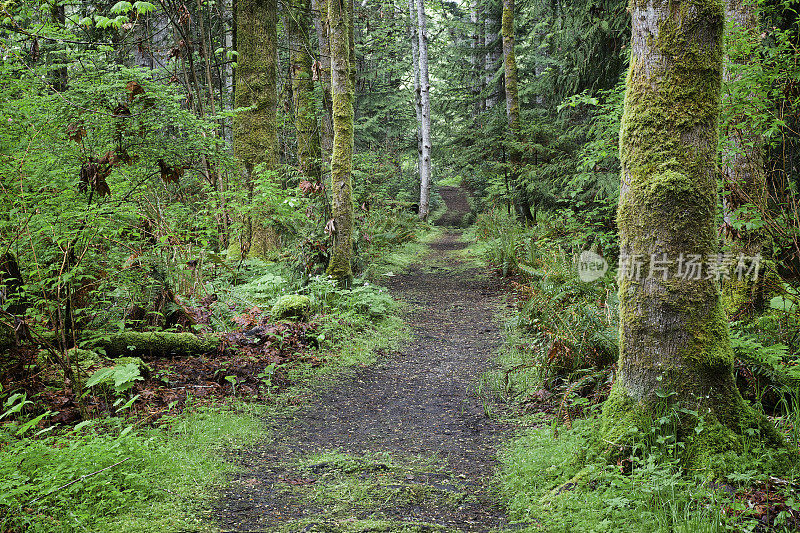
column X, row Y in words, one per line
column 292, row 307
column 158, row 344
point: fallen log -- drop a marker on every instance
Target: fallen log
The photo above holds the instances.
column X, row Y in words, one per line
column 158, row 344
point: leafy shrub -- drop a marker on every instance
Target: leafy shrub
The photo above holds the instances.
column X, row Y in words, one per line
column 361, row 298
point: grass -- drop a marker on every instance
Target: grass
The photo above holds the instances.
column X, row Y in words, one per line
column 369, row 492
column 170, row 473
column 548, row 484
column 402, row 256
column 163, row 480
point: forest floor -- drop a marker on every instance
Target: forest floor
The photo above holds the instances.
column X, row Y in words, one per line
column 401, row 445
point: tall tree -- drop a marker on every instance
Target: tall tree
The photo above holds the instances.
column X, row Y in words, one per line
column 492, row 53
column 512, row 108
column 673, row 329
column 475, row 46
column 320, row 11
column 305, row 118
column 425, row 108
column 256, row 130
column 341, row 26
column 414, row 31
column 745, row 180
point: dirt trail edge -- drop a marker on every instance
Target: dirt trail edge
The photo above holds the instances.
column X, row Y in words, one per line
column 413, row 449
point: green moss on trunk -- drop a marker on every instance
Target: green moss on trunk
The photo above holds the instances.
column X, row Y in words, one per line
column 512, row 110
column 256, row 130
column 341, row 188
column 673, row 329
column 305, row 120
column 158, row 344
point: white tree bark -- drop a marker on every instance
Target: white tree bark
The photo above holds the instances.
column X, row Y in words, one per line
column 491, row 43
column 477, row 78
column 412, row 12
column 425, row 105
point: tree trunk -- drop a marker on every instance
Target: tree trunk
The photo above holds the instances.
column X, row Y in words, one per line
column 490, row 43
column 674, row 339
column 340, row 23
column 305, row 119
column 512, row 110
column 414, row 30
column 256, row 130
column 59, row 74
column 320, row 10
column 745, row 181
column 425, row 103
column 475, row 45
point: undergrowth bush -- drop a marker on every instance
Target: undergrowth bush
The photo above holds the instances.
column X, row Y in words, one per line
column 109, row 476
column 565, row 478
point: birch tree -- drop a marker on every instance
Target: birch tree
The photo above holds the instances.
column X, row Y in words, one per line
column 424, row 112
column 492, row 55
column 414, row 31
column 674, row 340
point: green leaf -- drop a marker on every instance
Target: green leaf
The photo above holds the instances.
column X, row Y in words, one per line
column 783, row 304
column 102, row 22
column 121, row 7
column 143, row 7
column 31, row 423
column 119, row 21
column 129, row 403
column 125, row 375
column 99, row 376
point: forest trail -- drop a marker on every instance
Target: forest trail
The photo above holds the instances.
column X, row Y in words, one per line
column 402, row 445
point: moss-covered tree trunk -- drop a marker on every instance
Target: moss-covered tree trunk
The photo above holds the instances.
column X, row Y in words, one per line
column 512, row 109
column 305, row 118
column 674, row 332
column 341, row 189
column 320, row 11
column 256, row 131
column 743, row 172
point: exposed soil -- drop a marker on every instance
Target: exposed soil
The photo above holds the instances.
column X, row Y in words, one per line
column 457, row 202
column 420, row 406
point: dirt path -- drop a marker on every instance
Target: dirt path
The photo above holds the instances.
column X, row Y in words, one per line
column 403, row 445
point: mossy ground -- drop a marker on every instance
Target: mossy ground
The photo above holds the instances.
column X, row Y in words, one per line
column 378, row 491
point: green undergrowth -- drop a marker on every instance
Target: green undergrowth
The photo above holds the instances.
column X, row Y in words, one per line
column 109, row 475
column 560, row 481
column 167, row 475
column 379, row 492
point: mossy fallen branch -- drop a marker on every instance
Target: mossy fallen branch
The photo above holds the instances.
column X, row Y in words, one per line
column 158, row 344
